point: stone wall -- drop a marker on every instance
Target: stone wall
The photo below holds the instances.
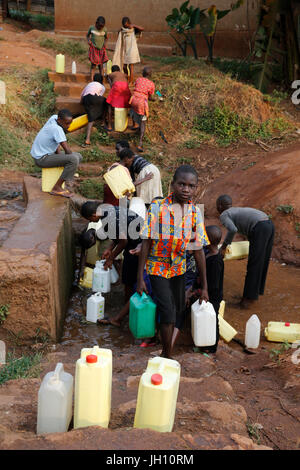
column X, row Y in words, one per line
column 37, row 266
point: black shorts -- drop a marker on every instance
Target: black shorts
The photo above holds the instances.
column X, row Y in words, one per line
column 169, row 296
column 129, row 269
column 94, row 106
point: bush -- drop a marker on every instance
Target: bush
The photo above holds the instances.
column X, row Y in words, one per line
column 35, row 20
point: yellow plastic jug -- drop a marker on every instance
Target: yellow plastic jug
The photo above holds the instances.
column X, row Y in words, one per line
column 60, row 63
column 92, row 254
column 222, row 308
column 121, row 119
column 119, row 181
column 237, row 250
column 78, row 122
column 157, row 395
column 226, row 331
column 87, row 280
column 108, row 67
column 282, row 331
column 50, row 177
column 93, row 379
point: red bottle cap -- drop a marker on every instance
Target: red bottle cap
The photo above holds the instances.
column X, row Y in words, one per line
column 91, row 358
column 287, row 324
column 156, row 379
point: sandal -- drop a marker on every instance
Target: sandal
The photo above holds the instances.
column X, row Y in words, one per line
column 61, row 193
column 144, row 344
column 85, row 145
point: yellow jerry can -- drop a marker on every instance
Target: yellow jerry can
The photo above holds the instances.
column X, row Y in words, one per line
column 121, row 119
column 108, row 67
column 282, row 331
column 78, row 122
column 226, row 331
column 50, row 177
column 60, row 63
column 119, row 181
column 237, row 250
column 222, row 308
column 87, row 280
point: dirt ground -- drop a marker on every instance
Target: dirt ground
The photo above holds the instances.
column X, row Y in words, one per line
column 230, row 400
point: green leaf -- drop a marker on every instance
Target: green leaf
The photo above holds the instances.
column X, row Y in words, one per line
column 183, row 7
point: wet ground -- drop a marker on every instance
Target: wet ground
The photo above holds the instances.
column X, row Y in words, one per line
column 12, row 207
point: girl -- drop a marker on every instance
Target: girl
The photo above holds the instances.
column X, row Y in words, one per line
column 97, row 38
column 126, row 52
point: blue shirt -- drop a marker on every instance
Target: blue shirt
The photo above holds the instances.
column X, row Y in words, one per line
column 48, row 139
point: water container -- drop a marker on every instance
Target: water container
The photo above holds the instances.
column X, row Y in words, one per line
column 2, row 352
column 203, row 323
column 282, row 331
column 78, row 122
column 95, row 307
column 157, row 395
column 121, row 119
column 101, row 278
column 114, row 276
column 226, row 331
column 74, row 67
column 55, row 401
column 119, row 181
column 93, row 379
column 2, row 92
column 60, row 63
column 252, row 332
column 108, row 67
column 50, row 176
column 222, row 308
column 92, row 254
column 87, row 280
column 237, row 250
column 142, row 311
column 137, row 205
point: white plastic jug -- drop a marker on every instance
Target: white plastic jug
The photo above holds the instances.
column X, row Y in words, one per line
column 2, row 352
column 114, row 276
column 55, row 401
column 203, row 322
column 95, row 307
column 137, row 205
column 101, row 278
column 74, row 67
column 252, row 332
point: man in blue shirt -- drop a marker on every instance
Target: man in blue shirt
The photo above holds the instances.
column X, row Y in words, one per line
column 46, row 150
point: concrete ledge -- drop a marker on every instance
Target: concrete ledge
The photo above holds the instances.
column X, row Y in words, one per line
column 37, row 265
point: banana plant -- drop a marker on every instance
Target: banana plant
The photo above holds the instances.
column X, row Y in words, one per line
column 183, row 22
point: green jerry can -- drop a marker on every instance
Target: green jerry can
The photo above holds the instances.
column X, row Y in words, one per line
column 142, row 311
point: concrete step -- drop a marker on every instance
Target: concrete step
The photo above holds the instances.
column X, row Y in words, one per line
column 72, row 90
column 66, row 102
column 82, row 78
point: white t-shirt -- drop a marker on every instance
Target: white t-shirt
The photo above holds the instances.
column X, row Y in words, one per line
column 48, row 139
column 93, row 88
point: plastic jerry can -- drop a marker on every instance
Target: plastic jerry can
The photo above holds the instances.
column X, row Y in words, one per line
column 142, row 311
column 60, row 63
column 108, row 67
column 93, row 379
column 50, row 176
column 252, row 332
column 237, row 250
column 119, row 181
column 78, row 122
column 74, row 67
column 157, row 395
column 203, row 323
column 282, row 331
column 55, row 401
column 87, row 279
column 95, row 307
column 2, row 352
column 226, row 331
column 138, row 206
column 114, row 276
column 121, row 119
column 101, row 278
column 222, row 308
column 92, row 254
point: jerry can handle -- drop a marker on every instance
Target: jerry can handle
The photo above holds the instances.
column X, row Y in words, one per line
column 58, row 370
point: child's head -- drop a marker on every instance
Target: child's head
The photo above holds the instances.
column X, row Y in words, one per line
column 126, row 156
column 87, row 238
column 147, row 72
column 184, row 183
column 100, row 22
column 121, row 145
column 98, row 78
column 214, row 234
column 115, row 68
column 89, row 211
column 223, row 202
column 125, row 22
column 64, row 118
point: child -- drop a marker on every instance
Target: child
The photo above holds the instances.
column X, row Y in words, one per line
column 94, row 104
column 173, row 222
column 119, row 94
column 144, row 89
column 97, row 38
column 126, row 158
column 126, row 51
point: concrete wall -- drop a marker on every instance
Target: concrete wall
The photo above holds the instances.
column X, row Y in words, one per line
column 73, row 17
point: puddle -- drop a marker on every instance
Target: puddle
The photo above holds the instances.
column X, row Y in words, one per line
column 12, row 207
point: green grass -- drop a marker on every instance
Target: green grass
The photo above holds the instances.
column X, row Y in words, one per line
column 91, row 188
column 97, row 155
column 4, row 312
column 23, row 367
column 75, row 49
column 35, row 20
column 285, row 208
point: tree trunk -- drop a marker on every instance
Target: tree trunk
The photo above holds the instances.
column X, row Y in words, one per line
column 28, row 5
column 5, row 10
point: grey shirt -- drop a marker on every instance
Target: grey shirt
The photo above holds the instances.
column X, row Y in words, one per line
column 240, row 220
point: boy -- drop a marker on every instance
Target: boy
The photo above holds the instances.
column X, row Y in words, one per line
column 97, row 39
column 173, row 222
column 259, row 230
column 94, row 104
column 46, row 153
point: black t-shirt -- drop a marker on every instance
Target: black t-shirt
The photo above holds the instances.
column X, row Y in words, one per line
column 138, row 164
column 215, row 276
